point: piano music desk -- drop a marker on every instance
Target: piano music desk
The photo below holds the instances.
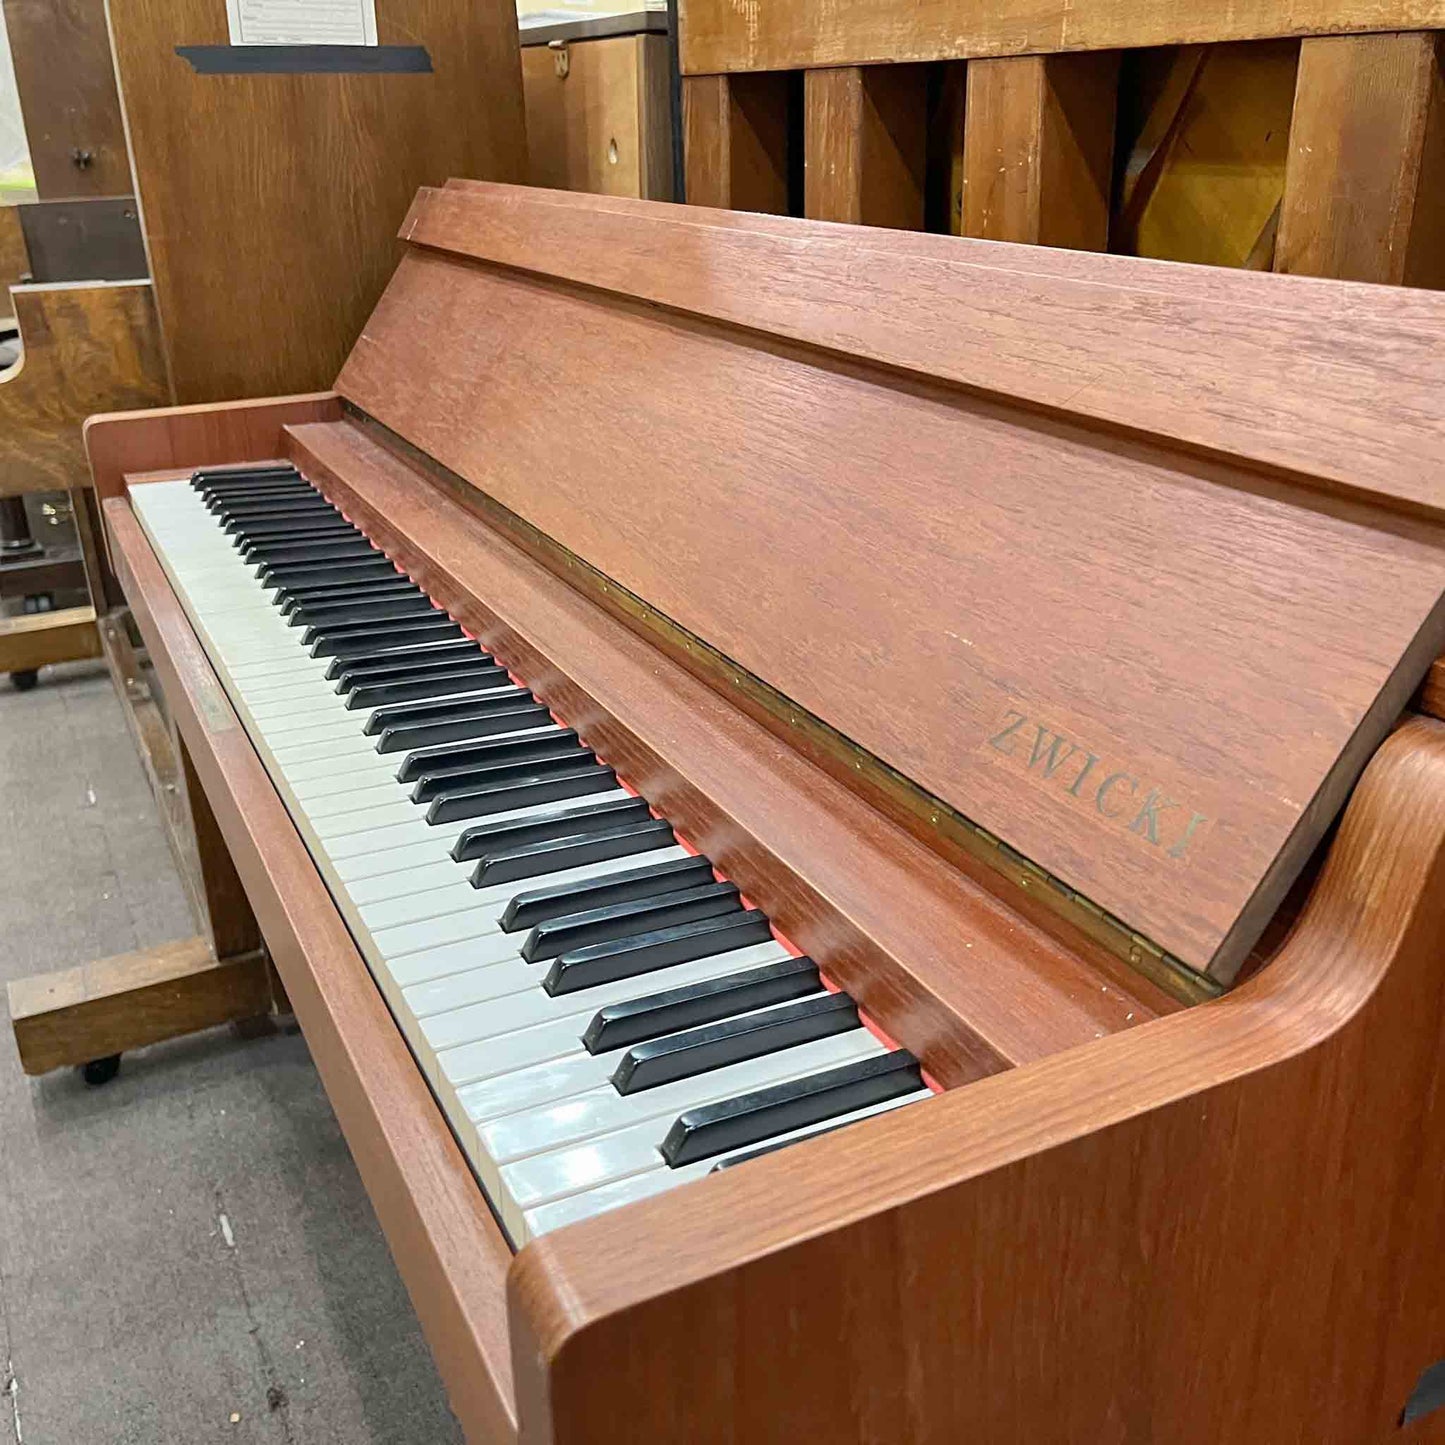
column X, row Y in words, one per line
column 1137, row 1211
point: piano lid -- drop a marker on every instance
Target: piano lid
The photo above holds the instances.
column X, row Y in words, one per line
column 1130, row 564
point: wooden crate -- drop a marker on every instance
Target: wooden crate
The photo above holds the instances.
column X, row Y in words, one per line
column 1304, row 137
column 599, row 115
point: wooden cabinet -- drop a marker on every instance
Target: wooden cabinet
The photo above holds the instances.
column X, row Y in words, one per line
column 598, row 115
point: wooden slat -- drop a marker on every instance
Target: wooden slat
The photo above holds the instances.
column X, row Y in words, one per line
column 880, row 911
column 66, row 86
column 88, row 348
column 865, row 144
column 735, row 141
column 1364, row 194
column 448, row 1249
column 131, row 1001
column 1164, row 1226
column 1039, row 149
column 40, row 639
column 1303, row 378
column 719, row 36
column 251, row 304
column 1039, row 586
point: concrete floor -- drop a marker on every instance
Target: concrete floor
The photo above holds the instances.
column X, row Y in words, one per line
column 191, row 1243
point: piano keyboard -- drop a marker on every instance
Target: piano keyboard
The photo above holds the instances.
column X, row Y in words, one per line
column 600, row 1015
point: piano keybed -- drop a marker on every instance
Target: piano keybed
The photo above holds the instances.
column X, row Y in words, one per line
column 600, row 1014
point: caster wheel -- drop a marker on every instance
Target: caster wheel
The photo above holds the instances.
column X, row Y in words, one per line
column 24, row 681
column 100, row 1071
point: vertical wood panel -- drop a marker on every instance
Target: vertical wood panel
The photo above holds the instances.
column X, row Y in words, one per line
column 1365, row 184
column 271, row 203
column 66, row 82
column 865, row 145
column 735, row 141
column 1038, row 149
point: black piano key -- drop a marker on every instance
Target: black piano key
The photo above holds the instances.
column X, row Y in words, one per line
column 765, row 1113
column 327, row 549
column 456, row 759
column 362, row 628
column 362, row 609
column 674, row 1009
column 400, row 634
column 475, row 723
column 286, row 602
column 485, row 838
column 358, row 674
column 312, row 507
column 462, row 651
column 582, row 968
column 220, row 503
column 213, row 482
column 630, row 885
column 733, row 1041
column 463, row 784
column 522, row 793
column 247, row 539
column 511, row 865
column 329, row 573
column 575, row 932
column 240, row 472
column 465, row 678
column 497, row 699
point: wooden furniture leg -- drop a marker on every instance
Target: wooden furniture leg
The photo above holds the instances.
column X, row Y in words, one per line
column 1364, row 196
column 865, row 145
column 1038, row 149
column 91, row 1014
column 735, row 141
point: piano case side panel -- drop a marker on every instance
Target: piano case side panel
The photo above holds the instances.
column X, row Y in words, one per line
column 1078, row 639
column 448, row 1248
column 1219, row 1229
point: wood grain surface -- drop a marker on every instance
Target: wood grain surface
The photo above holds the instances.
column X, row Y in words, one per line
column 1364, row 195
column 605, row 126
column 65, row 83
column 93, row 346
column 720, row 35
column 863, row 145
column 889, row 555
column 1038, row 149
column 40, row 639
column 270, row 201
column 131, row 1000
column 1307, row 377
column 448, row 1249
column 1219, row 1229
column 14, row 258
column 735, row 141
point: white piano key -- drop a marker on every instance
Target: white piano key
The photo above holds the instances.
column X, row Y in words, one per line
column 572, row 1208
column 503, row 1139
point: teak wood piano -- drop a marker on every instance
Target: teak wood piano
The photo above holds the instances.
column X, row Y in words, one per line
column 706, row 683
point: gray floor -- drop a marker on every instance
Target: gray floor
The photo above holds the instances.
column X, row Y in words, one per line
column 191, row 1243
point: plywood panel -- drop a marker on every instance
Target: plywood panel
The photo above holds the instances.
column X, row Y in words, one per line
column 66, row 84
column 604, row 125
column 1099, row 621
column 1205, row 132
column 270, row 201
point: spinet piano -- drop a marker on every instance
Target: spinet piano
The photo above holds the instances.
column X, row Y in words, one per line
column 841, row 813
